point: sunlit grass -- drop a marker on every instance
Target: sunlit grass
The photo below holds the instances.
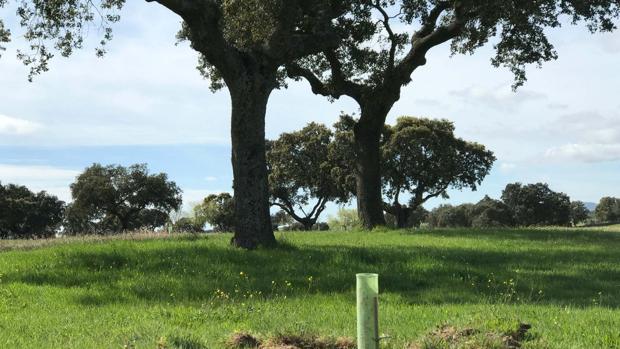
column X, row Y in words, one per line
column 187, row 292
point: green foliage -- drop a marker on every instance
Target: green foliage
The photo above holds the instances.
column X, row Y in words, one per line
column 218, row 211
column 187, row 225
column 579, row 213
column 536, row 204
column 608, row 210
column 385, row 41
column 24, row 214
column 141, row 290
column 423, row 157
column 345, row 220
column 448, row 216
column 250, row 23
column 415, row 217
column 60, row 26
column 342, row 154
column 113, row 199
column 300, row 171
column 490, row 213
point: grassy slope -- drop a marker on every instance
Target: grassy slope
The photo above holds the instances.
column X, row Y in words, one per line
column 191, row 293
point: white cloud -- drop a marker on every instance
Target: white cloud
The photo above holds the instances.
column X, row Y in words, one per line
column 210, row 179
column 594, row 152
column 14, row 126
column 500, row 97
column 54, row 180
column 20, row 173
column 194, row 196
column 507, row 166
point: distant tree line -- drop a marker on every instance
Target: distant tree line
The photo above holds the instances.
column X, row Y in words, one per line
column 307, row 169
column 520, row 205
column 106, row 200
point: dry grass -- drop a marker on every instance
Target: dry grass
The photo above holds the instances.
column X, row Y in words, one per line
column 450, row 337
column 247, row 341
column 10, row 245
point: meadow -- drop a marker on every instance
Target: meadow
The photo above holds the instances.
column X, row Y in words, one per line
column 196, row 291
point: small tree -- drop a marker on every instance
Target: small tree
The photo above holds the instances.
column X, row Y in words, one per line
column 608, row 210
column 116, row 199
column 536, row 204
column 24, row 214
column 218, row 211
column 424, row 158
column 579, row 213
column 300, row 170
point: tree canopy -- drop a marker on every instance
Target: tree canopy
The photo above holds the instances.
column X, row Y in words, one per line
column 218, row 211
column 112, row 199
column 424, row 158
column 25, row 214
column 300, row 171
column 420, row 157
column 536, row 204
column 608, row 210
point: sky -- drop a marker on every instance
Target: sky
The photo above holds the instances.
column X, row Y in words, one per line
column 146, row 103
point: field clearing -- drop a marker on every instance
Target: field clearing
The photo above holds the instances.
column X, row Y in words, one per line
column 193, row 292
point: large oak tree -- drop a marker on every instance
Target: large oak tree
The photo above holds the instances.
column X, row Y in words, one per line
column 387, row 40
column 242, row 44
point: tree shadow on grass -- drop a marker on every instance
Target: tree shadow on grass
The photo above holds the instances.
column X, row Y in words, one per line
column 200, row 272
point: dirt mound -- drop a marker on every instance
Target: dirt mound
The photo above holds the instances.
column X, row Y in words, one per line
column 449, row 337
column 247, row 341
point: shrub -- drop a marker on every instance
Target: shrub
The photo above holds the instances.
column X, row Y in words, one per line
column 448, row 216
column 187, row 225
column 490, row 213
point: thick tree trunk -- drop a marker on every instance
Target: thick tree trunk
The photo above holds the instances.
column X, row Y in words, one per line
column 402, row 217
column 368, row 132
column 308, row 224
column 249, row 95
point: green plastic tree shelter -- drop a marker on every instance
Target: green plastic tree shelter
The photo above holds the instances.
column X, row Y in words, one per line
column 368, row 311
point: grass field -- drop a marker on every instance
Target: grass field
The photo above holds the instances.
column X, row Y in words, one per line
column 185, row 292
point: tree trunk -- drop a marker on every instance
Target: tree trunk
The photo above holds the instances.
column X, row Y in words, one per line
column 368, row 132
column 249, row 95
column 308, row 224
column 402, row 217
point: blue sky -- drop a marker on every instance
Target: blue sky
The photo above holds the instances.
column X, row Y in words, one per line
column 145, row 102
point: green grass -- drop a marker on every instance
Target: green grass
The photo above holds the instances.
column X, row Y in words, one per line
column 185, row 292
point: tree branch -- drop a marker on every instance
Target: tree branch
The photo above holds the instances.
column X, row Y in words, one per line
column 202, row 18
column 430, row 36
column 391, row 35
